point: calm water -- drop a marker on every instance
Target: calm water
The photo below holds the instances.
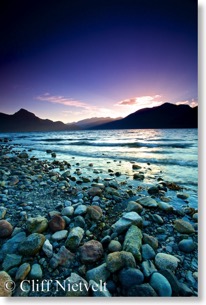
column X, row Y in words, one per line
column 171, row 152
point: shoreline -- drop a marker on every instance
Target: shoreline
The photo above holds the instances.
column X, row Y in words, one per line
column 38, row 195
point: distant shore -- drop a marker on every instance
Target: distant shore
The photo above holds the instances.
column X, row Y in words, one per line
column 58, row 223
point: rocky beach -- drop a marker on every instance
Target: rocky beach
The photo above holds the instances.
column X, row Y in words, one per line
column 110, row 235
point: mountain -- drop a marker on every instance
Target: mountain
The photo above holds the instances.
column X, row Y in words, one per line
column 23, row 121
column 94, row 122
column 165, row 116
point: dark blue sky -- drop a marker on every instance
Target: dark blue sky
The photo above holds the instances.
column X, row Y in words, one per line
column 69, row 60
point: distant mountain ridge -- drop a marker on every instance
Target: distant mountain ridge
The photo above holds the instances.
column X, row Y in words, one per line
column 165, row 116
column 25, row 121
column 94, row 122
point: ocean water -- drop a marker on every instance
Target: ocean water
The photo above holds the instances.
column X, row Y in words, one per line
column 170, row 153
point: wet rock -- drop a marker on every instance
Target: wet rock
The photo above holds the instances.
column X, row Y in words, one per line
column 48, row 248
column 138, row 176
column 126, row 221
column 74, row 238
column 2, row 212
column 32, row 244
column 166, row 261
column 195, row 217
column 148, row 202
column 97, row 274
column 57, row 223
column 147, row 252
column 5, row 229
column 182, row 196
column 36, row 272
column 130, row 277
column 5, row 278
column 148, row 268
column 134, row 207
column 98, row 290
column 114, row 246
column 158, row 219
column 136, row 166
column 184, row 290
column 11, row 246
column 23, row 155
column 151, row 240
column 79, row 221
column 153, row 190
column 144, row 290
column 118, row 260
column 133, row 242
column 91, row 251
column 187, row 245
column 59, row 235
column 95, row 191
column 165, row 206
column 63, row 258
column 77, row 281
column 37, row 225
column 22, row 272
column 80, row 210
column 68, row 211
column 161, row 285
column 183, row 226
column 174, row 283
column 94, row 212
column 11, row 261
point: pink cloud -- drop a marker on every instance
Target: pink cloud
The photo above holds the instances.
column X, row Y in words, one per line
column 61, row 100
column 142, row 101
column 191, row 103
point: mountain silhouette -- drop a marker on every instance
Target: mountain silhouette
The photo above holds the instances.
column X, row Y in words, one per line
column 165, row 116
column 25, row 121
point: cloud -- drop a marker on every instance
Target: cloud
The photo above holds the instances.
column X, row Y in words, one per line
column 191, row 103
column 142, row 101
column 61, row 100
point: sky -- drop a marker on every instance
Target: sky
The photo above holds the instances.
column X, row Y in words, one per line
column 71, row 60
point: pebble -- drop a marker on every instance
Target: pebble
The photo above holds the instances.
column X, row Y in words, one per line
column 148, row 202
column 126, row 220
column 133, row 242
column 59, row 235
column 48, row 248
column 11, row 261
column 57, row 223
column 187, row 245
column 5, row 229
column 36, row 272
column 37, row 225
column 144, row 290
column 118, row 260
column 147, row 252
column 182, row 196
column 68, row 211
column 91, row 251
column 5, row 277
column 114, row 246
column 166, row 261
column 32, row 244
column 2, row 212
column 63, row 258
column 134, row 207
column 183, row 226
column 80, row 210
column 22, row 272
column 94, row 212
column 151, row 240
column 161, row 285
column 99, row 273
column 74, row 238
column 148, row 268
column 76, row 280
column 130, row 277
